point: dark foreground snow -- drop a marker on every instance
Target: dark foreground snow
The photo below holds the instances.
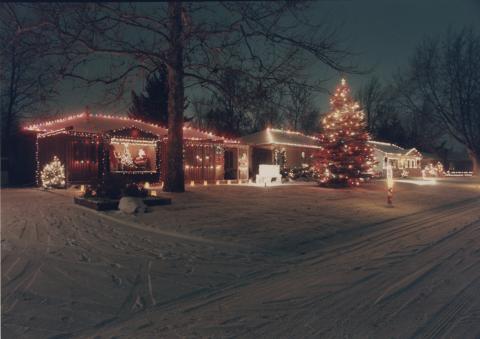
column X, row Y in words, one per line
column 236, row 261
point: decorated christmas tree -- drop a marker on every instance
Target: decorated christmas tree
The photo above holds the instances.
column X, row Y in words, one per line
column 346, row 156
column 53, row 174
column 126, row 158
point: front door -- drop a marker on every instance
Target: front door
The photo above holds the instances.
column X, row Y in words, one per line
column 230, row 165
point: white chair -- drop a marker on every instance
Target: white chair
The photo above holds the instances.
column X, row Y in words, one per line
column 267, row 174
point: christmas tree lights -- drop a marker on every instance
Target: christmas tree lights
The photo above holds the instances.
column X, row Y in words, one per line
column 126, row 158
column 346, row 155
column 53, row 174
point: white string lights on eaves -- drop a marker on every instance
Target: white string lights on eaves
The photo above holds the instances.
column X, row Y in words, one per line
column 162, row 131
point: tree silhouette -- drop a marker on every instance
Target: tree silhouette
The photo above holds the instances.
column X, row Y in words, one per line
column 152, row 105
column 444, row 73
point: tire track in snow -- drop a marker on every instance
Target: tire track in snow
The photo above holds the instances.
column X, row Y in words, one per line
column 243, row 282
column 398, row 284
column 169, row 234
column 406, row 282
column 402, row 227
column 446, row 220
column 149, row 279
column 448, row 315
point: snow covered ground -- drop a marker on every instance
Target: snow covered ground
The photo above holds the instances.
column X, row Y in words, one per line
column 237, row 261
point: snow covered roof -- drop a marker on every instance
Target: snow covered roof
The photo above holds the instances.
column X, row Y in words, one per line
column 95, row 124
column 271, row 136
column 413, row 152
column 387, row 147
column 99, row 123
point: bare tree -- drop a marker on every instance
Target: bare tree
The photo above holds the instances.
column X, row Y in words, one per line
column 300, row 111
column 371, row 97
column 269, row 42
column 391, row 118
column 241, row 106
column 27, row 78
column 445, row 73
column 230, row 105
column 421, row 129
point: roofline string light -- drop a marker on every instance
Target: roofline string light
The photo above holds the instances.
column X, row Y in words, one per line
column 292, row 132
column 41, row 127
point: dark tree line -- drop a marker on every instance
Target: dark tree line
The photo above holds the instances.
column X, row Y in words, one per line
column 240, row 108
column 388, row 119
column 436, row 96
column 442, row 84
column 28, row 77
column 244, row 107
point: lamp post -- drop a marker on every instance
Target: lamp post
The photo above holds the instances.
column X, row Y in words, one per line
column 389, row 184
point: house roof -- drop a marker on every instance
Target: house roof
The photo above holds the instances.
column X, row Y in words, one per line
column 99, row 123
column 271, row 136
column 394, row 149
column 414, row 152
column 387, row 147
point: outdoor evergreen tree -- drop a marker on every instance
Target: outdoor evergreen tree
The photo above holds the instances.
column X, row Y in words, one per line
column 345, row 155
column 152, row 106
column 53, row 174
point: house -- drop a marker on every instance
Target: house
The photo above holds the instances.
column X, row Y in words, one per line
column 292, row 149
column 456, row 161
column 430, row 159
column 401, row 160
column 91, row 146
column 279, row 147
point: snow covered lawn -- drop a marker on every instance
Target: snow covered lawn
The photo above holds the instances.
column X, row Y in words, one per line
column 241, row 261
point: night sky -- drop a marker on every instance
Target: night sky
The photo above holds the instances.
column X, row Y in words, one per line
column 383, row 34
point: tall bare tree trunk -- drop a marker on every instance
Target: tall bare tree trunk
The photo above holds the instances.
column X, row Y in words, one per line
column 175, row 178
column 475, row 162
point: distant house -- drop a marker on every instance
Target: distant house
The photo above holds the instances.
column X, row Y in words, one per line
column 430, row 158
column 400, row 158
column 279, row 147
column 292, row 149
column 454, row 161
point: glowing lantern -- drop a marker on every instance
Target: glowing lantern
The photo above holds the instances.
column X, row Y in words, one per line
column 147, row 185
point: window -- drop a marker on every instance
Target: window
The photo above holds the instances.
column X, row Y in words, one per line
column 85, row 150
